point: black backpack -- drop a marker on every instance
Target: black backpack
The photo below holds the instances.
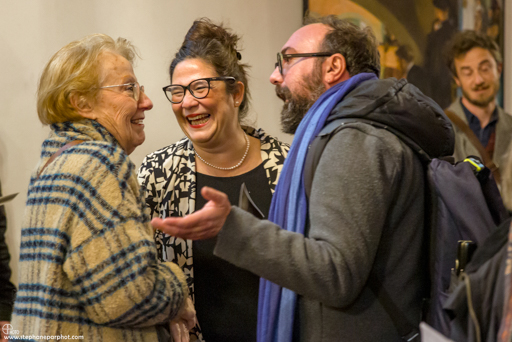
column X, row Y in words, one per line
column 476, row 304
column 462, row 202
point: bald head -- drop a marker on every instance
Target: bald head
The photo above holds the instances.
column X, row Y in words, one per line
column 308, row 38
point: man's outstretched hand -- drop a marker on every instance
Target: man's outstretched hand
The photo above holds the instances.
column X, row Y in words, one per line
column 203, row 224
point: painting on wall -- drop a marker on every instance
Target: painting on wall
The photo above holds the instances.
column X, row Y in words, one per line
column 412, row 34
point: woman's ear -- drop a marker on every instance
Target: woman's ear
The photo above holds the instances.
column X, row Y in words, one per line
column 238, row 96
column 82, row 105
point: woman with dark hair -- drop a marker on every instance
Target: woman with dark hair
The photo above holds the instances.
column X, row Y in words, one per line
column 210, row 96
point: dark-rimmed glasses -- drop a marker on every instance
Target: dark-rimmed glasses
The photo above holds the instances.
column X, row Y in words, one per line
column 199, row 88
column 286, row 56
column 134, row 88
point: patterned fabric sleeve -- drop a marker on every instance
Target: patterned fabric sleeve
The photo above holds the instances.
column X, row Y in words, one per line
column 167, row 179
column 168, row 185
column 147, row 182
column 110, row 260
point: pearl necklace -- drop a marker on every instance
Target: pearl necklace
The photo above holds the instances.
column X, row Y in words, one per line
column 232, row 167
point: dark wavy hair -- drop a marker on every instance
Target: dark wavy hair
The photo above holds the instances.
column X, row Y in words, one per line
column 467, row 40
column 358, row 46
column 217, row 46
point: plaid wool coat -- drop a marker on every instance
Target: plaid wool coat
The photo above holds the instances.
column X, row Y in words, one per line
column 88, row 264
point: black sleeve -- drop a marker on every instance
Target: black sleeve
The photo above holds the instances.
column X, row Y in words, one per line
column 7, row 289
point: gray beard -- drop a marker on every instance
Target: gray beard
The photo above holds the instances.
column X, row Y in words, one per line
column 297, row 106
column 293, row 112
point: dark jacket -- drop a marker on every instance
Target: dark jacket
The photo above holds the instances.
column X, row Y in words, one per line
column 365, row 220
column 439, row 76
column 7, row 289
column 403, row 107
column 486, row 273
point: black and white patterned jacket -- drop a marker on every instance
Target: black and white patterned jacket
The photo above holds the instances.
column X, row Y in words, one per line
column 168, row 180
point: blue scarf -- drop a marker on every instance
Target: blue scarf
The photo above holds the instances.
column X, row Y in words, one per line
column 276, row 306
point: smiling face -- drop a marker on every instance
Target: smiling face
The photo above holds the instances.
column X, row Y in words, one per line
column 478, row 75
column 213, row 119
column 115, row 108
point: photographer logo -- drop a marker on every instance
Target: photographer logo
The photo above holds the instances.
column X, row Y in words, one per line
column 8, row 330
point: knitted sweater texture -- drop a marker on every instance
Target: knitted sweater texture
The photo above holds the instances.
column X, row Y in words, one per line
column 88, row 265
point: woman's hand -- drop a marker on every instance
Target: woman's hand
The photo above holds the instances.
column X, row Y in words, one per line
column 203, row 224
column 184, row 322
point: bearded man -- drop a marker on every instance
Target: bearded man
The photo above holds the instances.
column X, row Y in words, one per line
column 475, row 62
column 328, row 260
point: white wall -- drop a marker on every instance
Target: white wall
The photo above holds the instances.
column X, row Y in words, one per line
column 33, row 30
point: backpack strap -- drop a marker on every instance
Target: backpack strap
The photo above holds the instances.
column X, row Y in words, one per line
column 317, row 147
column 58, row 153
column 457, row 121
column 407, row 331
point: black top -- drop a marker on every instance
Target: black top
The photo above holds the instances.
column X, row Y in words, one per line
column 7, row 289
column 226, row 297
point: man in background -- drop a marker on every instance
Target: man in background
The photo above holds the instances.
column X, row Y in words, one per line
column 475, row 63
column 438, row 75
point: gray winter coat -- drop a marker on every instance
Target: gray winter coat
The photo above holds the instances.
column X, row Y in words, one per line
column 366, row 217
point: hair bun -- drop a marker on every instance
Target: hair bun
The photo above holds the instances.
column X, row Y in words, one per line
column 238, row 55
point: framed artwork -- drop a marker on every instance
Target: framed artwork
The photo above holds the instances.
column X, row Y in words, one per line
column 412, row 34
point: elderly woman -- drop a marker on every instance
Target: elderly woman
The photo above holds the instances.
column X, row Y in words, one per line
column 210, row 96
column 88, row 264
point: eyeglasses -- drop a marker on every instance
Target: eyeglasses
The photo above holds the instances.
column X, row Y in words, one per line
column 286, row 56
column 198, row 88
column 133, row 89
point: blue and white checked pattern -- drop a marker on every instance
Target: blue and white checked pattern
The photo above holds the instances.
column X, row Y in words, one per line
column 88, row 263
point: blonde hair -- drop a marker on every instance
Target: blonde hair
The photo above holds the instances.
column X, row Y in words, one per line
column 75, row 69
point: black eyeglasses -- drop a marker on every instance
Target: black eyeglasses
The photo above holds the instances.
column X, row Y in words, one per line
column 286, row 56
column 198, row 88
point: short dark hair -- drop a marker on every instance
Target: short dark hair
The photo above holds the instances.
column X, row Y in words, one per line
column 217, row 46
column 357, row 45
column 467, row 40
